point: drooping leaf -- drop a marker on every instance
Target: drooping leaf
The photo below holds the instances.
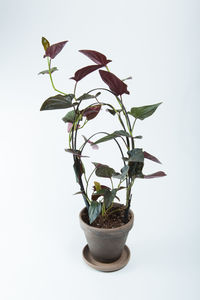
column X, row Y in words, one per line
column 94, row 211
column 75, row 152
column 154, row 175
column 136, row 155
column 112, row 111
column 91, row 112
column 47, row 71
column 45, row 43
column 103, row 170
column 151, row 157
column 143, row 112
column 87, row 97
column 78, row 193
column 117, row 86
column 96, row 56
column 113, row 135
column 109, row 196
column 53, row 50
column 93, row 145
column 58, row 102
column 81, row 73
column 135, row 169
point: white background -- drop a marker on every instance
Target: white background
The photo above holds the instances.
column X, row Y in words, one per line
column 157, row 42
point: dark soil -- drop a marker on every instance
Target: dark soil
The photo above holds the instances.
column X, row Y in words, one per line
column 114, row 218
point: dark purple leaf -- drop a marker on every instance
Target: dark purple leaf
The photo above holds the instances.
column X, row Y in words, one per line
column 45, row 43
column 151, row 157
column 91, row 112
column 154, row 175
column 117, row 86
column 75, row 152
column 95, row 56
column 54, row 49
column 81, row 73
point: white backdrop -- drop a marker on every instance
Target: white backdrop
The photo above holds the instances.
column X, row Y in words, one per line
column 157, row 42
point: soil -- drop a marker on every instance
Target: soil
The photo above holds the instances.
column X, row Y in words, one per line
column 114, row 218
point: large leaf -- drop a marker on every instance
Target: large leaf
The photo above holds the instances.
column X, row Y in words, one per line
column 136, row 155
column 135, row 169
column 117, row 86
column 54, row 49
column 94, row 211
column 113, row 135
column 154, row 175
column 143, row 112
column 87, row 97
column 103, row 170
column 45, row 43
column 58, row 102
column 151, row 157
column 80, row 74
column 91, row 112
column 47, row 71
column 95, row 56
column 70, row 117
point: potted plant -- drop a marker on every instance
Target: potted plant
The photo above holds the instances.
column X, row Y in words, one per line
column 105, row 221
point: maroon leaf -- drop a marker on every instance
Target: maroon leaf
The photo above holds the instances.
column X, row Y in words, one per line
column 97, row 57
column 154, row 175
column 117, row 86
column 151, row 157
column 54, row 49
column 81, row 73
column 91, row 112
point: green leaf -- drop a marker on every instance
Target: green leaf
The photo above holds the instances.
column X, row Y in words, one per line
column 94, row 211
column 123, row 174
column 70, row 117
column 143, row 112
column 136, row 155
column 47, row 71
column 58, row 102
column 103, row 170
column 88, row 96
column 109, row 196
column 113, row 135
column 45, row 43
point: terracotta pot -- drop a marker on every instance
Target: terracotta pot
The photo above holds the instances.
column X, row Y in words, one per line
column 106, row 245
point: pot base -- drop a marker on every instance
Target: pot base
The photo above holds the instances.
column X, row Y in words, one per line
column 106, row 267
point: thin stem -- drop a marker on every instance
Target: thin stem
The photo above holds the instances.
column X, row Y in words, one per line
column 89, row 180
column 112, row 182
column 49, row 67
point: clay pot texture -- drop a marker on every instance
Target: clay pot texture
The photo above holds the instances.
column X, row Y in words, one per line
column 106, row 245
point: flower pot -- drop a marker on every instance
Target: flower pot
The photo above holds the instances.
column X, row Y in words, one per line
column 107, row 245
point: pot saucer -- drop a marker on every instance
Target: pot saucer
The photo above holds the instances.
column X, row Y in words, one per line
column 106, row 267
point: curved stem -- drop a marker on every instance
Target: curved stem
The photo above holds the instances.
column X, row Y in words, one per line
column 49, row 67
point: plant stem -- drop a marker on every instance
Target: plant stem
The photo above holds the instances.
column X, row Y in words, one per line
column 49, row 67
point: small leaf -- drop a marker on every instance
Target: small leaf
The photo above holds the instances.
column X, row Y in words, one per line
column 154, row 175
column 94, row 211
column 113, row 135
column 143, row 112
column 124, row 173
column 45, row 43
column 47, row 71
column 136, row 155
column 54, row 49
column 70, row 117
column 95, row 56
column 81, row 73
column 138, row 137
column 78, row 193
column 97, row 186
column 58, row 102
column 117, row 86
column 151, row 157
column 95, row 147
column 91, row 112
column 87, row 97
column 103, row 170
column 75, row 152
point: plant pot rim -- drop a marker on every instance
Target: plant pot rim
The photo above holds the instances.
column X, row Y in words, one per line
column 96, row 229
